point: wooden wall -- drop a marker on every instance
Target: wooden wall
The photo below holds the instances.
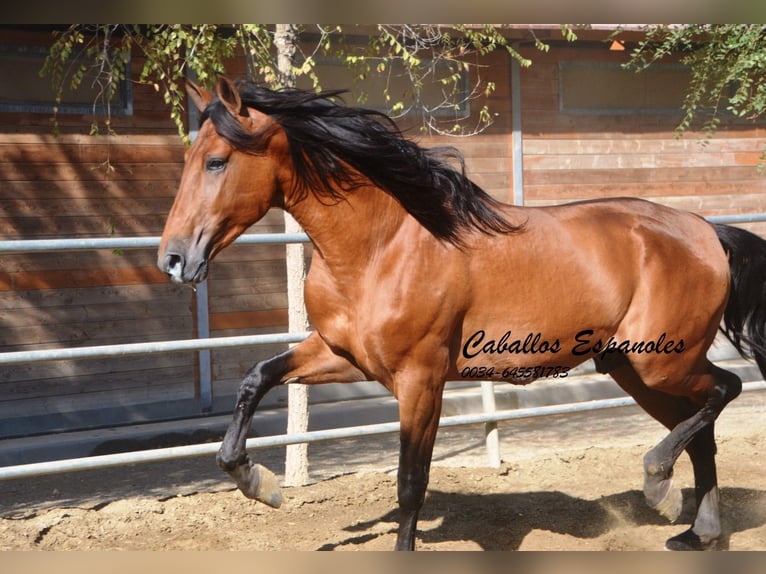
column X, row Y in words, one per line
column 63, row 187
column 56, row 187
column 569, row 157
column 60, row 187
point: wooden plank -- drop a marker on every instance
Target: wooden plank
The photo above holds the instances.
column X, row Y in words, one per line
column 709, row 205
column 248, row 319
column 97, row 399
column 97, row 259
column 28, row 379
column 78, row 189
column 636, row 176
column 247, row 287
column 65, row 171
column 251, row 269
column 543, row 123
column 154, row 120
column 227, row 303
column 64, row 279
column 87, row 226
column 90, row 153
column 682, row 161
column 105, row 332
column 484, row 146
column 622, row 145
column 645, row 189
column 73, row 207
column 47, row 138
column 42, row 300
column 88, row 312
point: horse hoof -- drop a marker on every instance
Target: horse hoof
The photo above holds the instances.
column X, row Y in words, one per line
column 259, row 483
column 689, row 540
column 671, row 504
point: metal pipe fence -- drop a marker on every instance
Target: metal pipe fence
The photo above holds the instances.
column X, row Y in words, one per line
column 125, row 349
column 171, row 453
column 88, row 243
column 190, row 451
column 60, row 466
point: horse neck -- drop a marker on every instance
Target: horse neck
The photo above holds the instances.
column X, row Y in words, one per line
column 352, row 230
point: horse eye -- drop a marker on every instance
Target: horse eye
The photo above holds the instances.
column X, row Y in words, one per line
column 215, row 164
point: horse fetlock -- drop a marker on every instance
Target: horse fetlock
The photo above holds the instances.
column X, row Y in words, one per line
column 257, row 482
column 227, row 462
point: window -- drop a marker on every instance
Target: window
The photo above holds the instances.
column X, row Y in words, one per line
column 28, row 92
column 605, row 88
column 334, row 75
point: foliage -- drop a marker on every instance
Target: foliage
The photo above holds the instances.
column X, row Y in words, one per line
column 727, row 64
column 423, row 55
column 86, row 52
column 431, row 56
column 168, row 52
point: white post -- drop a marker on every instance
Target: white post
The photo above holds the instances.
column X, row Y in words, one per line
column 491, row 435
column 296, row 462
column 296, row 458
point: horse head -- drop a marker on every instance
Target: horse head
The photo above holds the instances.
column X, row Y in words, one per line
column 224, row 188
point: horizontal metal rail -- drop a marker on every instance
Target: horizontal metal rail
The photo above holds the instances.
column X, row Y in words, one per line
column 125, row 349
column 171, row 453
column 737, row 218
column 190, row 451
column 76, row 244
column 85, row 243
column 73, row 244
column 54, row 467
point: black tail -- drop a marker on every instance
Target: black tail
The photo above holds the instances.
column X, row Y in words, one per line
column 744, row 320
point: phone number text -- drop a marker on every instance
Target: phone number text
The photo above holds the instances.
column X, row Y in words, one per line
column 543, row 372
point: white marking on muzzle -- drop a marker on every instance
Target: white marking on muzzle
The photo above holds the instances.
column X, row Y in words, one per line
column 175, row 271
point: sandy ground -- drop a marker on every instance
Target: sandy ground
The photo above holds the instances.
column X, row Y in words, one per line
column 566, row 483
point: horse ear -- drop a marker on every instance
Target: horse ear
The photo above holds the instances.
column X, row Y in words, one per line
column 229, row 96
column 200, row 96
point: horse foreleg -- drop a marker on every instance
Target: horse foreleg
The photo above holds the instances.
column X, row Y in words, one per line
column 419, row 411
column 309, row 362
column 255, row 481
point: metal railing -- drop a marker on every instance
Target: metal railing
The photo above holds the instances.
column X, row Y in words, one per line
column 206, row 344
column 203, row 343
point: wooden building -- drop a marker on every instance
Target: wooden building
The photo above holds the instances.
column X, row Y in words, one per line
column 585, row 129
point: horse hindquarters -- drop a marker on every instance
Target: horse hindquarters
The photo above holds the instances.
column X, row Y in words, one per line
column 692, row 427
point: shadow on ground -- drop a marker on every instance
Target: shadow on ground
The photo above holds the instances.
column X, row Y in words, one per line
column 502, row 521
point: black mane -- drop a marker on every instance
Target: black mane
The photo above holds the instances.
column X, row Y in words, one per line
column 332, row 143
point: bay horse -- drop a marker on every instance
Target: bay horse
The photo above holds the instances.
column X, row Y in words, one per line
column 418, row 276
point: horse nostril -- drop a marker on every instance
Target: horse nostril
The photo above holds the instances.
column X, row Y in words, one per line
column 174, row 264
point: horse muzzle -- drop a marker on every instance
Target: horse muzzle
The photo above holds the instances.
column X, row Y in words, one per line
column 183, row 268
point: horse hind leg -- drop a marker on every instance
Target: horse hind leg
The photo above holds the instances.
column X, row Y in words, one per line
column 696, row 435
column 691, row 430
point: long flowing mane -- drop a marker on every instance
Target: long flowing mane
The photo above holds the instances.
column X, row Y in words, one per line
column 334, row 146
